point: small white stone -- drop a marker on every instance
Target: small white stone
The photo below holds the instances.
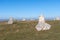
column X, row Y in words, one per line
column 23, row 19
column 10, row 20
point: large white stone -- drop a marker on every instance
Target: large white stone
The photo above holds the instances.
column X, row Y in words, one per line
column 10, row 20
column 42, row 25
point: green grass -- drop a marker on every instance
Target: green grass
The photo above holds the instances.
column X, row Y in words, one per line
column 26, row 31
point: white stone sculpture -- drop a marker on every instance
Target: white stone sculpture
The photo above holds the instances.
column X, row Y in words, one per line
column 10, row 20
column 42, row 25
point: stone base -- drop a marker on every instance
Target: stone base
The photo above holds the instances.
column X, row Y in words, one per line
column 42, row 26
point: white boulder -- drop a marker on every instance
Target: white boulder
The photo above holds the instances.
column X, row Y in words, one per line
column 10, row 20
column 42, row 25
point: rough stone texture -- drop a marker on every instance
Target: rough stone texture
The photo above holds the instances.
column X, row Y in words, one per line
column 42, row 25
column 10, row 20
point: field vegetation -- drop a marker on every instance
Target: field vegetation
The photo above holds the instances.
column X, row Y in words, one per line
column 25, row 30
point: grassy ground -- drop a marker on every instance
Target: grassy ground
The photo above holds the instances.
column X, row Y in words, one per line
column 26, row 31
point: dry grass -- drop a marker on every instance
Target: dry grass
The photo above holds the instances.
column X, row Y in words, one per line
column 26, row 31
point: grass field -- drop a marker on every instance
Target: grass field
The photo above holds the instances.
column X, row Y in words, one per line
column 26, row 31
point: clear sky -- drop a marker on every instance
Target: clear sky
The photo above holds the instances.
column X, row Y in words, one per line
column 29, row 8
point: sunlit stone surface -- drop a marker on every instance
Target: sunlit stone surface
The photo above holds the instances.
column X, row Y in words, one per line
column 57, row 18
column 42, row 25
column 10, row 20
column 23, row 19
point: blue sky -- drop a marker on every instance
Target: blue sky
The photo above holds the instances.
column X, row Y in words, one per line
column 29, row 8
